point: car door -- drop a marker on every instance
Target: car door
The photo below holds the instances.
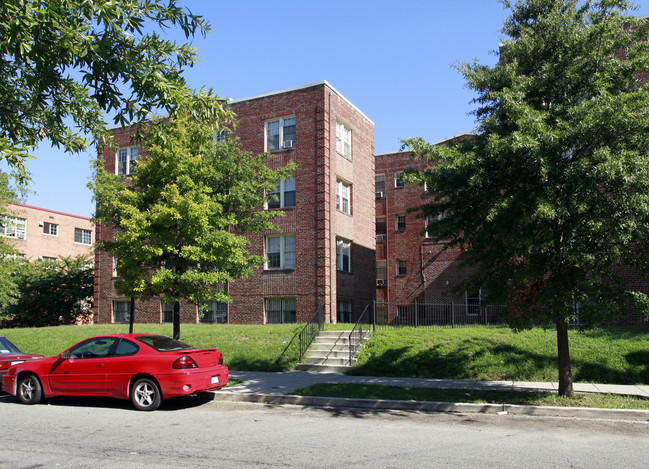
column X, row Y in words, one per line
column 82, row 370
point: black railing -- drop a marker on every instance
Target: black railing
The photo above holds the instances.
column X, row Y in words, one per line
column 357, row 335
column 436, row 314
column 311, row 330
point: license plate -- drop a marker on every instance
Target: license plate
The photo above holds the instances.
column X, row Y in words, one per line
column 215, row 379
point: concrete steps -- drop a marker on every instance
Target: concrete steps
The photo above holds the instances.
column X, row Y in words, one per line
column 329, row 352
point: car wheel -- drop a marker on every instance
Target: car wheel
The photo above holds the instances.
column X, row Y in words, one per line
column 146, row 395
column 30, row 390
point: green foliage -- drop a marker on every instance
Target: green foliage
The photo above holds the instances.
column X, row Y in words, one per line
column 552, row 195
column 51, row 293
column 179, row 219
column 63, row 63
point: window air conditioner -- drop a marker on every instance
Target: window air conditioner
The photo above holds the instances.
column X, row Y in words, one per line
column 288, row 144
column 20, row 236
column 379, row 194
column 380, row 281
column 380, row 237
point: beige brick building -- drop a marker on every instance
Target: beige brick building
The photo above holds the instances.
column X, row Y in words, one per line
column 38, row 233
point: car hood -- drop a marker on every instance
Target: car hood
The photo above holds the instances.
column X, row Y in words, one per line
column 5, row 357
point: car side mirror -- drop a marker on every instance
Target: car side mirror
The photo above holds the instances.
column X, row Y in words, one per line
column 64, row 355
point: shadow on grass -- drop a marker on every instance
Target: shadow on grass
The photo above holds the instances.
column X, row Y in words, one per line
column 491, row 360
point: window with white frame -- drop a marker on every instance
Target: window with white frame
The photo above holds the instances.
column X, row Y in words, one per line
column 343, row 255
column 284, row 194
column 280, row 252
column 214, row 312
column 344, row 310
column 343, row 197
column 401, row 267
column 398, row 180
column 82, row 236
column 344, row 140
column 167, row 312
column 401, row 223
column 13, row 227
column 51, row 229
column 280, row 134
column 126, row 160
column 379, row 185
column 280, row 310
column 121, row 311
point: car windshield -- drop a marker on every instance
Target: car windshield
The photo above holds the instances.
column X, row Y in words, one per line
column 163, row 344
column 7, row 347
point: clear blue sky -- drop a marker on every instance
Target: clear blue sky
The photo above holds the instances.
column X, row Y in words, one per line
column 393, row 60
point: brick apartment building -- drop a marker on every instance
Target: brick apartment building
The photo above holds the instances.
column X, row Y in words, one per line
column 324, row 250
column 38, row 233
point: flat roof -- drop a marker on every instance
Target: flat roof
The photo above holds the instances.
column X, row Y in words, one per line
column 439, row 142
column 50, row 211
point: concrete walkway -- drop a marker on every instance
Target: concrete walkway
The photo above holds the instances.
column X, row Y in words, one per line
column 276, row 388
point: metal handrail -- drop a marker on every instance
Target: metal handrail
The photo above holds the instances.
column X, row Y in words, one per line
column 353, row 347
column 311, row 330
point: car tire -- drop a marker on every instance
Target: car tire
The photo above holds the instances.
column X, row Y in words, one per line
column 145, row 394
column 30, row 390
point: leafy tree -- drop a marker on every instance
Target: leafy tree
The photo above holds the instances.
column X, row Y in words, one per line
column 179, row 219
column 8, row 287
column 64, row 62
column 52, row 293
column 551, row 198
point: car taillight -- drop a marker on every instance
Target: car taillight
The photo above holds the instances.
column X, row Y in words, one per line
column 183, row 363
column 4, row 365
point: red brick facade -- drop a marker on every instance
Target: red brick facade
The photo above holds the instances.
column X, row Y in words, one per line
column 314, row 220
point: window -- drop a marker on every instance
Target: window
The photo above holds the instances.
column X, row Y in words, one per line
column 343, row 255
column 381, row 229
column 48, row 259
column 381, row 273
column 213, row 312
column 401, row 267
column 13, row 227
column 402, row 314
column 430, row 222
column 343, row 200
column 401, row 223
column 379, row 185
column 343, row 140
column 344, row 309
column 98, row 347
column 121, row 311
column 398, row 180
column 280, row 310
column 284, row 194
column 167, row 312
column 280, row 134
column 472, row 301
column 82, row 236
column 126, row 348
column 51, row 229
column 280, row 252
column 126, row 159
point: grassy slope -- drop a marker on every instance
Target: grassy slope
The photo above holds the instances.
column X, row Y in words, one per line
column 611, row 355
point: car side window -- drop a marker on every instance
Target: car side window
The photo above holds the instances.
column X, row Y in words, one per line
column 98, row 347
column 125, row 348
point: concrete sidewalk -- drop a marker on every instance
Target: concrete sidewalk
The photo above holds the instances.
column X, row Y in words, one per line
column 275, row 388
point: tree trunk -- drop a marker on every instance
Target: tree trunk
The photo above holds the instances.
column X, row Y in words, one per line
column 565, row 373
column 177, row 320
column 131, row 320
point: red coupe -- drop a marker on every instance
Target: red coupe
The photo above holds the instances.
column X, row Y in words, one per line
column 141, row 367
column 11, row 355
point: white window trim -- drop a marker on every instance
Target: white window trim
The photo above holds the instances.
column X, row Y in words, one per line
column 130, row 151
column 284, row 262
column 343, row 247
column 344, row 193
column 344, row 140
column 127, row 312
column 281, row 194
column 283, row 145
column 83, row 232
column 18, row 227
column 46, row 223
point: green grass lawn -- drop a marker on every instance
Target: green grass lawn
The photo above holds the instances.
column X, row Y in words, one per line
column 361, row 391
column 608, row 355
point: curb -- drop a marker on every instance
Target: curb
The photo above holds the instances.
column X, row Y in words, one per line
column 429, row 406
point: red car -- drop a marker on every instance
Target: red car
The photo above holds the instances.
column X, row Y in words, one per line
column 11, row 355
column 141, row 367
